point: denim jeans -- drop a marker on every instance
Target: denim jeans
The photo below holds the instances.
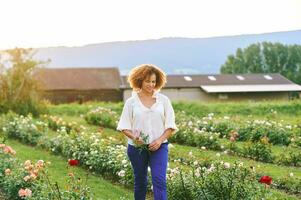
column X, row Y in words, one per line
column 157, row 160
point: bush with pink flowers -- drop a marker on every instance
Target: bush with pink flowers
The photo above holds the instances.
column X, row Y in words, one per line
column 30, row 180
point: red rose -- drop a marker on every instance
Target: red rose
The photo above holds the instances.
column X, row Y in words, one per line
column 266, row 179
column 73, row 162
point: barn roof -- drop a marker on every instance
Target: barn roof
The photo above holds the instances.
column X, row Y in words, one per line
column 79, row 78
column 212, row 83
column 251, row 88
column 109, row 78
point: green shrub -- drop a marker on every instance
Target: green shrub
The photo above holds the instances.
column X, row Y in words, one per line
column 102, row 117
column 24, row 129
column 219, row 181
column 289, row 157
column 260, row 151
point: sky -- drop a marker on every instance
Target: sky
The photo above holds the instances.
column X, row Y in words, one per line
column 48, row 23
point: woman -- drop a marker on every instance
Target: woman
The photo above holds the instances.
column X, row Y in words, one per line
column 148, row 113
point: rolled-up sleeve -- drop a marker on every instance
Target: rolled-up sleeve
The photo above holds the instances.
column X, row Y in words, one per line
column 169, row 116
column 125, row 121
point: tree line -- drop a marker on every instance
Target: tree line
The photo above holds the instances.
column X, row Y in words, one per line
column 266, row 57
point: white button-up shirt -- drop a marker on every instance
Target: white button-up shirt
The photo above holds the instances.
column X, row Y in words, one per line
column 152, row 121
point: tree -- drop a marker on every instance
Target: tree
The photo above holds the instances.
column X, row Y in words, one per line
column 266, row 57
column 20, row 92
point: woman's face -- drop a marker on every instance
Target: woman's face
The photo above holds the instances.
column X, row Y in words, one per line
column 149, row 83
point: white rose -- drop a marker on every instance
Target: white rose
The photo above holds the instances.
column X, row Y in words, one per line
column 121, row 173
column 227, row 165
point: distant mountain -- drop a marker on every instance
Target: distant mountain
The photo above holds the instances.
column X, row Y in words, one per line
column 173, row 55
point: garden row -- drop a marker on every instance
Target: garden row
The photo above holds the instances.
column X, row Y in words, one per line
column 209, row 132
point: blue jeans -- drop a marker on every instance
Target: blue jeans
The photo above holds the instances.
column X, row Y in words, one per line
column 157, row 160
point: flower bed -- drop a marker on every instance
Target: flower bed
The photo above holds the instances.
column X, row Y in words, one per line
column 30, row 180
column 105, row 156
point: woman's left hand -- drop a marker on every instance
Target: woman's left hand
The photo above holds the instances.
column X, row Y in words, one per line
column 155, row 145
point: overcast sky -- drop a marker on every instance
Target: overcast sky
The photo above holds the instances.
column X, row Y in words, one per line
column 44, row 23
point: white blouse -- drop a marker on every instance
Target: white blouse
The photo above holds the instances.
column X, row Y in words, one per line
column 152, row 121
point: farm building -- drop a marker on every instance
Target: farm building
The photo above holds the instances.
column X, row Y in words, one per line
column 63, row 85
column 225, row 87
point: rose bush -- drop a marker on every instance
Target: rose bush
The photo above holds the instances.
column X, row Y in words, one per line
column 30, row 180
column 104, row 117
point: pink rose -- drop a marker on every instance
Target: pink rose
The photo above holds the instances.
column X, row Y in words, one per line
column 27, row 163
column 8, row 149
column 33, row 176
column 22, row 193
column 7, row 171
column 26, row 178
column 25, row 193
column 40, row 163
column 28, row 192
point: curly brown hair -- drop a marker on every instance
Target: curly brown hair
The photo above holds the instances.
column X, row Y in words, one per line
column 141, row 72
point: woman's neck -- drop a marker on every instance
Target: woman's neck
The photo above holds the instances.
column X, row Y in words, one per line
column 146, row 94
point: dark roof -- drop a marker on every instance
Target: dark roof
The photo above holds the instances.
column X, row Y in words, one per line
column 178, row 81
column 79, row 78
